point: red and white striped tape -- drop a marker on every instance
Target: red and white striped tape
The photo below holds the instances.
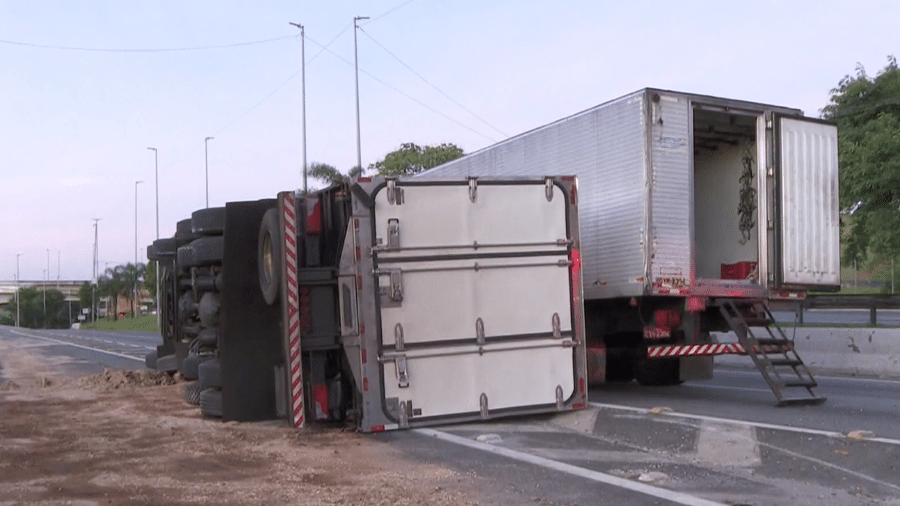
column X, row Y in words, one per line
column 694, row 350
column 292, row 300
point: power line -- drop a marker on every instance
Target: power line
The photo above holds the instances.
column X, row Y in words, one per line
column 432, row 85
column 391, row 11
column 151, row 50
column 426, row 106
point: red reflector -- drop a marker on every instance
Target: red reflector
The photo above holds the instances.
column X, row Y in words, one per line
column 359, row 281
column 320, row 400
column 365, row 384
column 578, row 405
column 356, row 223
column 365, row 356
column 358, row 254
column 568, row 178
column 362, row 328
column 365, row 180
column 581, row 385
column 313, row 216
column 376, row 428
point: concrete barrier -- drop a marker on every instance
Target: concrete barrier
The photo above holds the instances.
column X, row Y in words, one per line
column 870, row 352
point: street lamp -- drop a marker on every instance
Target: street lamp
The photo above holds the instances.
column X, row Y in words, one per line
column 94, row 281
column 134, row 308
column 17, row 288
column 206, row 152
column 356, row 62
column 46, row 282
column 156, row 169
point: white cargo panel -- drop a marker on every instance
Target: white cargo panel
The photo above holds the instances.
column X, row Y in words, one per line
column 810, row 224
column 478, row 309
column 605, row 147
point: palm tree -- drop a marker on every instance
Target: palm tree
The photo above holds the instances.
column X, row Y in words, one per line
column 329, row 175
column 112, row 284
column 133, row 275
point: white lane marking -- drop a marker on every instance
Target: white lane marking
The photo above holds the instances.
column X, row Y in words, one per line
column 759, row 425
column 728, row 444
column 596, row 476
column 77, row 345
column 725, row 387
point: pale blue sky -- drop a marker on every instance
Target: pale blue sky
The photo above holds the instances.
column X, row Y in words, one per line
column 75, row 125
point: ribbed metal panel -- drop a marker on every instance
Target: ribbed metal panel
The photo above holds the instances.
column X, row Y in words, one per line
column 809, row 202
column 603, row 147
column 671, row 152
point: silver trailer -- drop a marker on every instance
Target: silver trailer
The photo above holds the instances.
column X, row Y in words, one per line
column 695, row 211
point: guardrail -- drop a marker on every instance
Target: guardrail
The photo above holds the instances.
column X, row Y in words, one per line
column 871, row 302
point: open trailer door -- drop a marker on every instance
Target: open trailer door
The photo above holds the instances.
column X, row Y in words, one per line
column 479, row 300
column 808, row 239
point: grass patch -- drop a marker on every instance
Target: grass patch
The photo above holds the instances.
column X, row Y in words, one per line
column 140, row 324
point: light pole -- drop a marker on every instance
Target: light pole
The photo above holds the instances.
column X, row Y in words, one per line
column 46, row 282
column 156, row 171
column 134, row 305
column 206, row 154
column 94, row 283
column 17, row 288
column 303, row 95
column 356, row 62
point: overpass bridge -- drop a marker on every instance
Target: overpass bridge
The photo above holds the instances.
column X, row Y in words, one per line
column 69, row 288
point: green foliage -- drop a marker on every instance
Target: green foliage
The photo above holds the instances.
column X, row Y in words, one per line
column 141, row 323
column 150, row 278
column 411, row 159
column 32, row 313
column 867, row 113
column 325, row 173
column 120, row 281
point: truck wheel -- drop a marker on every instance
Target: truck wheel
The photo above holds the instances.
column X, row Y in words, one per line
column 270, row 257
column 190, row 366
column 657, row 372
column 185, row 257
column 165, row 247
column 192, row 392
column 167, row 363
column 150, row 360
column 208, row 221
column 209, row 310
column 208, row 250
column 210, row 374
column 183, row 232
column 211, row 402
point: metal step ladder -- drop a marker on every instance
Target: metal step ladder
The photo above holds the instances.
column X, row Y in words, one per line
column 773, row 353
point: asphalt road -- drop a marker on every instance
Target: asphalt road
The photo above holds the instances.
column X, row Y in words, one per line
column 715, row 442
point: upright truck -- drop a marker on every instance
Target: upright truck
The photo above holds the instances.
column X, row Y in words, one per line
column 383, row 303
column 697, row 214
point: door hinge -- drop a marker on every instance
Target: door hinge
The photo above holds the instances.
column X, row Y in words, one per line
column 393, row 242
column 473, row 189
column 402, row 372
column 392, row 294
column 548, row 189
column 394, row 193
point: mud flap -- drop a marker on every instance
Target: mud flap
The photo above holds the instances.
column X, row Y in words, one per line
column 249, row 329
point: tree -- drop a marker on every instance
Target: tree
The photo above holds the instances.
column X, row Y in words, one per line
column 150, row 278
column 867, row 113
column 31, row 308
column 411, row 159
column 112, row 284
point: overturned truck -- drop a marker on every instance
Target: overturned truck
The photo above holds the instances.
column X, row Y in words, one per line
column 382, row 303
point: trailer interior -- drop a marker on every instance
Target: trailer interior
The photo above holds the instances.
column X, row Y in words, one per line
column 725, row 190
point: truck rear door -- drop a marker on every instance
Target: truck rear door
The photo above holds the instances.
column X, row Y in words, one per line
column 808, row 222
column 478, row 300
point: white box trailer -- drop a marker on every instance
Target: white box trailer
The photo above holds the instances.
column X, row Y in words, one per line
column 387, row 303
column 686, row 202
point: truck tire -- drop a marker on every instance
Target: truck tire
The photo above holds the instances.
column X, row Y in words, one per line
column 167, row 363
column 150, row 360
column 208, row 250
column 192, row 392
column 208, row 337
column 211, row 402
column 151, row 253
column 190, row 366
column 185, row 256
column 210, row 374
column 209, row 221
column 657, row 372
column 270, row 257
column 165, row 248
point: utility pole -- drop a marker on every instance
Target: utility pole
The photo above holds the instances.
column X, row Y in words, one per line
column 46, row 282
column 206, row 151
column 58, row 263
column 356, row 63
column 303, row 95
